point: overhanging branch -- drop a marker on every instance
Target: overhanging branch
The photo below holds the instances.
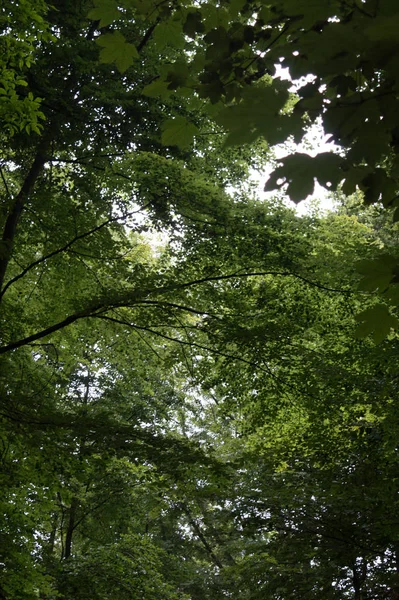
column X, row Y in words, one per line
column 134, row 298
column 66, row 247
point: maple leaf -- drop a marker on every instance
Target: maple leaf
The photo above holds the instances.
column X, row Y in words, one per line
column 116, row 49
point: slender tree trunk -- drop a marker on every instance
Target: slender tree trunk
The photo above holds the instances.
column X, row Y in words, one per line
column 53, row 532
column 71, row 527
column 359, row 577
column 17, row 207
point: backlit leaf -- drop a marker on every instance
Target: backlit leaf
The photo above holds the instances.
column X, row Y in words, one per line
column 300, row 170
column 116, row 49
column 178, row 132
column 159, row 87
column 169, row 33
column 105, row 11
column 376, row 321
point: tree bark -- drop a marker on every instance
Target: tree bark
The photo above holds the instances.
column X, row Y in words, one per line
column 71, row 527
column 15, row 212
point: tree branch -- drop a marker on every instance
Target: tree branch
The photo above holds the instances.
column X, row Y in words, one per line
column 66, row 247
column 147, row 35
column 41, row 334
column 166, row 305
column 16, row 211
column 133, row 298
column 76, row 161
column 256, row 274
column 201, row 536
column 184, row 343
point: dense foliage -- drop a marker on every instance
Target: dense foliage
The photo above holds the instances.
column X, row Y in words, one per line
column 197, row 387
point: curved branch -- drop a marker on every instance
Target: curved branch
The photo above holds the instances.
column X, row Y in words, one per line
column 4, row 180
column 134, row 298
column 45, row 332
column 258, row 274
column 66, row 247
column 199, row 533
column 77, row 161
column 184, row 343
column 147, row 35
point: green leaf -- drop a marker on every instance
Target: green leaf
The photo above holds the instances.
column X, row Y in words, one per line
column 258, row 111
column 353, row 177
column 177, row 75
column 391, row 295
column 376, row 321
column 377, row 281
column 377, row 273
column 214, row 16
column 378, row 186
column 219, row 44
column 383, row 29
column 344, row 84
column 300, row 170
column 116, row 49
column 193, row 24
column 169, row 33
column 327, row 166
column 156, row 88
column 105, row 11
column 238, row 138
column 178, row 132
column 213, row 91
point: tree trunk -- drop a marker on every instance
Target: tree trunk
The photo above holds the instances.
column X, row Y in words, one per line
column 53, row 532
column 71, row 527
column 17, row 207
column 359, row 577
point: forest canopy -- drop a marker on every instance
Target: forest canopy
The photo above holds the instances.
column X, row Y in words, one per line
column 197, row 384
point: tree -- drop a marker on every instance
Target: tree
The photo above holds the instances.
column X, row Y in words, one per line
column 161, row 397
column 346, row 49
column 83, row 297
column 315, row 449
column 342, row 56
